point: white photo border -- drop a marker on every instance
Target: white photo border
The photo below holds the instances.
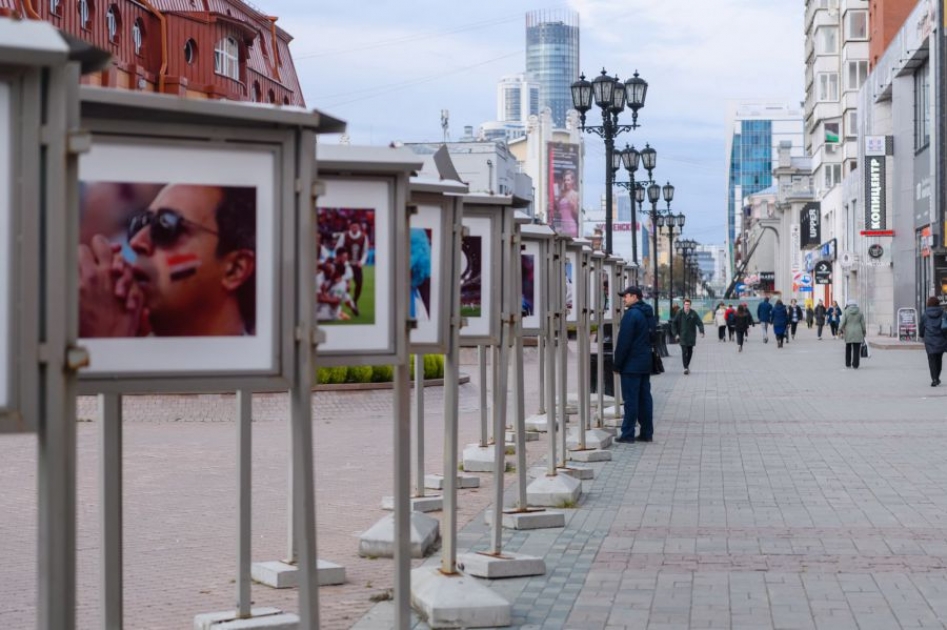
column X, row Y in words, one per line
column 143, row 161
column 431, row 332
column 572, row 258
column 482, row 327
column 533, row 323
column 608, row 273
column 377, row 193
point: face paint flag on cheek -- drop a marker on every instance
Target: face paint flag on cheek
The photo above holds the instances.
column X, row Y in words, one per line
column 183, row 266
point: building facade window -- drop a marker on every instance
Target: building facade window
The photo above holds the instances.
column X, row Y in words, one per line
column 851, row 124
column 113, row 22
column 833, row 175
column 190, row 51
column 922, row 109
column 857, row 73
column 85, row 13
column 828, row 4
column 54, row 6
column 227, row 58
column 257, row 92
column 828, row 86
column 856, row 24
column 138, row 35
column 827, row 38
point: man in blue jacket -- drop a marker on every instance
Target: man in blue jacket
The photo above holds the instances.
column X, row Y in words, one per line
column 632, row 359
column 764, row 313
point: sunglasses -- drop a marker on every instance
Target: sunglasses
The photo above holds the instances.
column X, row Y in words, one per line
column 166, row 225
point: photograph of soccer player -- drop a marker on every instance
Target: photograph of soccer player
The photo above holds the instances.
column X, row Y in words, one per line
column 345, row 275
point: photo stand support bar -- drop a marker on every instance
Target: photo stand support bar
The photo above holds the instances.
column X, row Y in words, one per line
column 110, row 418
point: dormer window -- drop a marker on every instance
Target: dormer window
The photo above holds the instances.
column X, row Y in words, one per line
column 138, row 35
column 114, row 22
column 227, row 58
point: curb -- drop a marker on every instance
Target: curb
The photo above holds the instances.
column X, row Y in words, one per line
column 364, row 387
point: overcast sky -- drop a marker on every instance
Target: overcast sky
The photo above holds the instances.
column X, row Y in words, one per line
column 389, row 68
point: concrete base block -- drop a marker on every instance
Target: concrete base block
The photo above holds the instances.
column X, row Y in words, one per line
column 478, row 458
column 436, row 482
column 457, row 601
column 379, row 540
column 594, row 438
column 556, row 491
column 611, row 411
column 589, row 456
column 531, row 519
column 531, row 436
column 582, row 473
column 538, row 423
column 505, row 565
column 418, row 504
column 278, row 574
column 269, row 618
column 613, row 421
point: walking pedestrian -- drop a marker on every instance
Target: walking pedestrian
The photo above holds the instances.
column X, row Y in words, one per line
column 764, row 312
column 852, row 327
column 935, row 338
column 779, row 318
column 632, row 360
column 795, row 316
column 819, row 312
column 834, row 315
column 742, row 322
column 720, row 319
column 730, row 313
column 810, row 315
column 684, row 327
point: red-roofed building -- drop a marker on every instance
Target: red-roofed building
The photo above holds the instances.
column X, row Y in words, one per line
column 195, row 48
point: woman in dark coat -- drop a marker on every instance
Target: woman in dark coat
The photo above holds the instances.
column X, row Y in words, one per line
column 834, row 315
column 780, row 320
column 935, row 338
column 742, row 322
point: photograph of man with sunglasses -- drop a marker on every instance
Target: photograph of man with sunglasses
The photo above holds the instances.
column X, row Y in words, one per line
column 185, row 266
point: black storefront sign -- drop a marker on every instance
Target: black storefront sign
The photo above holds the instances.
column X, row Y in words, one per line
column 810, row 225
column 767, row 281
column 822, row 272
column 875, row 208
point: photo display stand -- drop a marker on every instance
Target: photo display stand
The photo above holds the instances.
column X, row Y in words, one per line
column 435, row 233
column 618, row 283
column 508, row 308
column 39, row 139
column 537, row 239
column 362, row 307
column 163, row 175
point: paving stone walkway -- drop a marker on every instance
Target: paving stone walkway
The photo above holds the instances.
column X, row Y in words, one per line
column 782, row 491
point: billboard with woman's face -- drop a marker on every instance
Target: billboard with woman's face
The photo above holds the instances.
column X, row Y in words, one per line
column 563, row 177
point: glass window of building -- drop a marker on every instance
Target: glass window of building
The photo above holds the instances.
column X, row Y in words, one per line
column 138, row 34
column 828, row 86
column 190, row 51
column 54, row 7
column 227, row 58
column 851, row 124
column 833, row 175
column 828, row 4
column 856, row 75
column 922, row 109
column 113, row 22
column 856, row 24
column 827, row 38
column 85, row 13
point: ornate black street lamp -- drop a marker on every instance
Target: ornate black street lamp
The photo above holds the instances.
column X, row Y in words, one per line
column 611, row 96
column 671, row 221
column 654, row 195
column 631, row 158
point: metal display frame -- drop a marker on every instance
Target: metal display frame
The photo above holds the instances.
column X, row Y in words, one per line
column 539, row 236
column 481, row 208
column 608, row 273
column 570, row 265
column 149, row 120
column 394, row 166
column 439, row 198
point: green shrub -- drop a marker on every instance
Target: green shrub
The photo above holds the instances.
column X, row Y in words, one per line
column 433, row 366
column 382, row 374
column 359, row 374
column 331, row 375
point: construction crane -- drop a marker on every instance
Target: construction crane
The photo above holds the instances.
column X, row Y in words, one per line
column 741, row 268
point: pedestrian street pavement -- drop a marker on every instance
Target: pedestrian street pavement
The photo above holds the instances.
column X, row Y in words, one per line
column 782, row 491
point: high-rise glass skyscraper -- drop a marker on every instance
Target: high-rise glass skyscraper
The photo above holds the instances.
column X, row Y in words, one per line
column 552, row 58
column 756, row 130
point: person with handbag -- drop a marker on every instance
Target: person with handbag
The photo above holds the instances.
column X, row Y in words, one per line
column 932, row 330
column 684, row 328
column 852, row 328
column 632, row 359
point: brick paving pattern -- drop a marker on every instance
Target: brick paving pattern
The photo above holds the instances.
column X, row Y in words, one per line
column 782, row 491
